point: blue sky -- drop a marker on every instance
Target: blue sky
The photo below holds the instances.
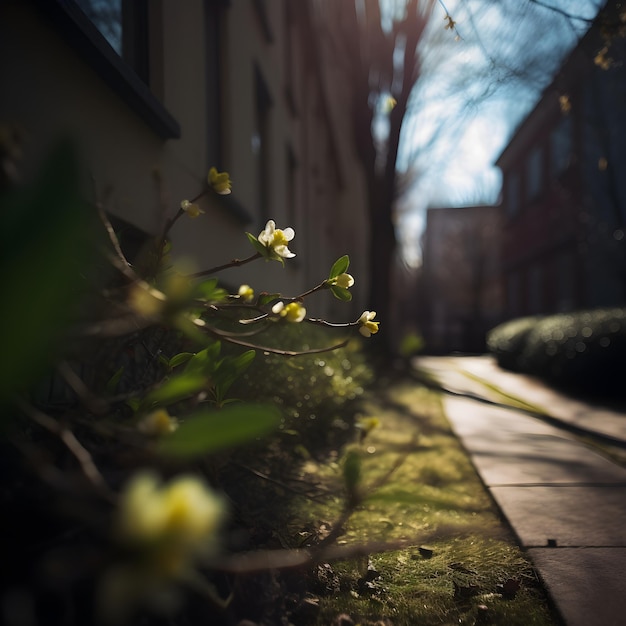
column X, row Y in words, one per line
column 470, row 101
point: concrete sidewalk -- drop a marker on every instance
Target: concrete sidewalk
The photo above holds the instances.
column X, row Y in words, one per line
column 565, row 502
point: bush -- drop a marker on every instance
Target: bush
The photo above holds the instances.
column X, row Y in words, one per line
column 317, row 393
column 583, row 350
column 507, row 341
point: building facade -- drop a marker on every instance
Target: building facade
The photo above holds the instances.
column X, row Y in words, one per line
column 172, row 88
column 564, row 197
column 461, row 288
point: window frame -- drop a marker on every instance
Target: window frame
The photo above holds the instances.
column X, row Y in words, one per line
column 513, row 188
column 534, row 172
column 561, row 145
column 81, row 34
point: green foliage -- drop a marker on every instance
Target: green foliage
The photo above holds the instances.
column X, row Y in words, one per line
column 208, row 431
column 411, row 343
column 209, row 291
column 507, row 341
column 137, row 370
column 339, row 267
column 341, row 293
column 352, row 465
column 585, row 350
column 46, row 240
column 317, row 393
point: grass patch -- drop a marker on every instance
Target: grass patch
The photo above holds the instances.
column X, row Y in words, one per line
column 451, row 559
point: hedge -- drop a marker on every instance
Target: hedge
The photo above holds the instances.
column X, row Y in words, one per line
column 585, row 350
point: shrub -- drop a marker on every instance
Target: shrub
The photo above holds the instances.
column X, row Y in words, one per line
column 317, row 393
column 507, row 341
column 583, row 350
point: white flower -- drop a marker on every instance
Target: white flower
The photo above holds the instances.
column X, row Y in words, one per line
column 246, row 293
column 276, row 239
column 293, row 312
column 191, row 208
column 367, row 326
column 345, row 281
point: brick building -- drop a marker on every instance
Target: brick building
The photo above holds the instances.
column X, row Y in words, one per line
column 461, row 289
column 564, row 196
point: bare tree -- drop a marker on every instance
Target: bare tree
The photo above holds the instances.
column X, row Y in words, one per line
column 380, row 53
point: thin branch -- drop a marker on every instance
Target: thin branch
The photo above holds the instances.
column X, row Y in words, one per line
column 80, row 453
column 94, row 404
column 219, row 268
column 201, row 324
column 563, row 12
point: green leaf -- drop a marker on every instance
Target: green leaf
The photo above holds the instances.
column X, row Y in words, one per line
column 243, row 361
column 179, row 359
column 47, row 243
column 340, row 266
column 209, row 291
column 208, row 431
column 175, row 389
column 257, row 245
column 266, row 298
column 205, row 288
column 134, row 404
column 206, row 361
column 352, row 470
column 113, row 382
column 340, row 293
column 229, row 370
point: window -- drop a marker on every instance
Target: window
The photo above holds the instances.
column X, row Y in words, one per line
column 124, row 24
column 534, row 173
column 561, row 145
column 111, row 37
column 513, row 190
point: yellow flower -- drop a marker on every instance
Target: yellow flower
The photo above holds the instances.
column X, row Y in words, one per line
column 293, row 312
column 368, row 424
column 276, row 240
column 565, row 104
column 344, row 281
column 219, row 181
column 367, row 326
column 246, row 293
column 146, row 300
column 179, row 520
column 159, row 422
column 191, row 208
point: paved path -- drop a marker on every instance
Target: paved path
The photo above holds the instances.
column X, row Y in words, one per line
column 564, row 500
